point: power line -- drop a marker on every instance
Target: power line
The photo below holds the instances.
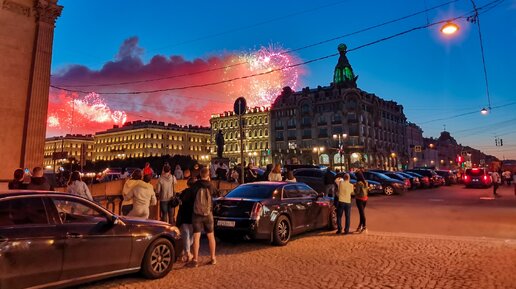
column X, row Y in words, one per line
column 285, row 52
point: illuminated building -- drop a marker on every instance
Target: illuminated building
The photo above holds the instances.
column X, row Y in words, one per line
column 374, row 128
column 256, row 135
column 26, row 35
column 62, row 149
column 139, row 139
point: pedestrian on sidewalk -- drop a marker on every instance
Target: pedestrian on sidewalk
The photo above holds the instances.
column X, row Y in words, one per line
column 184, row 219
column 361, row 192
column 77, row 187
column 165, row 191
column 496, row 182
column 344, row 191
column 202, row 218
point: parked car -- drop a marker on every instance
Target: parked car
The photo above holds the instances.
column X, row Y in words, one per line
column 434, row 179
column 423, row 180
column 477, row 177
column 415, row 182
column 272, row 211
column 374, row 187
column 390, row 186
column 399, row 177
column 449, row 177
column 50, row 239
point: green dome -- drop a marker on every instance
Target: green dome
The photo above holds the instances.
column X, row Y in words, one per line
column 342, row 47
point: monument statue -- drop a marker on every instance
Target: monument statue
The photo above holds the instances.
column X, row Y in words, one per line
column 219, row 140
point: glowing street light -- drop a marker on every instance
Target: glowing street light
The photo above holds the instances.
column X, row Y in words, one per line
column 484, row 111
column 449, row 28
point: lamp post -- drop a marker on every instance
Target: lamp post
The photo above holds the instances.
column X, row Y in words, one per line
column 450, row 28
column 318, row 150
column 340, row 138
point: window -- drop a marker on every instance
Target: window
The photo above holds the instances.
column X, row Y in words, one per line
column 74, row 211
column 291, row 192
column 306, row 192
column 23, row 211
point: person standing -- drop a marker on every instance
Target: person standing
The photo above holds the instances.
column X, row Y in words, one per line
column 143, row 196
column 496, row 182
column 17, row 182
column 329, row 182
column 194, row 173
column 290, row 177
column 77, row 187
column 147, row 170
column 165, row 191
column 275, row 174
column 344, row 191
column 38, row 181
column 184, row 219
column 127, row 204
column 361, row 190
column 213, row 170
column 178, row 173
column 202, row 218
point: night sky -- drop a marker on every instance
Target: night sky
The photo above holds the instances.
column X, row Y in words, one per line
column 438, row 79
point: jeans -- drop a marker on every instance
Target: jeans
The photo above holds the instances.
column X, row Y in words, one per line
column 495, row 187
column 343, row 208
column 361, row 208
column 166, row 213
column 187, row 236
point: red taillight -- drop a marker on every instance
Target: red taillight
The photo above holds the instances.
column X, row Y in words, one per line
column 257, row 211
column 407, row 182
column 466, row 178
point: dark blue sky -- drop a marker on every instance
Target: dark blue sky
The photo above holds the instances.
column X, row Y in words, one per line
column 432, row 76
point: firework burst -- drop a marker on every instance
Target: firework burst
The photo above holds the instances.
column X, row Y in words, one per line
column 262, row 90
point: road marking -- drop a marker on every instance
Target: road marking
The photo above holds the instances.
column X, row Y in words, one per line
column 487, row 198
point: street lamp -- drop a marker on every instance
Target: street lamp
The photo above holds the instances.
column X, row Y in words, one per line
column 450, row 28
column 318, row 150
column 340, row 138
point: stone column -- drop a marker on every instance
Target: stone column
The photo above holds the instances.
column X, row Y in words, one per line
column 46, row 13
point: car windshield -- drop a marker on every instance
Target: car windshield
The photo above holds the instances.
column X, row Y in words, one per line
column 252, row 191
column 474, row 172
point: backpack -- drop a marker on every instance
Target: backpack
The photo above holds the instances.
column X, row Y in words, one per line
column 202, row 203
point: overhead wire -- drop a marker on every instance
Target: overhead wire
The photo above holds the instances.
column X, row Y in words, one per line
column 284, row 52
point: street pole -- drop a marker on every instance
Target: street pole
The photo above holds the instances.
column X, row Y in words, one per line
column 241, row 145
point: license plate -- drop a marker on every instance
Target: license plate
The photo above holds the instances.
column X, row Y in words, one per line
column 475, row 180
column 222, row 223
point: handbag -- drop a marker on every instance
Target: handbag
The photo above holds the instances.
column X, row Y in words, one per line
column 174, row 202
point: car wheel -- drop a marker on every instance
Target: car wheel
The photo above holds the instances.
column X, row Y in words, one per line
column 332, row 223
column 388, row 190
column 282, row 231
column 158, row 259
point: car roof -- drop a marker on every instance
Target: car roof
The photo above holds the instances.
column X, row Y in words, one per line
column 15, row 193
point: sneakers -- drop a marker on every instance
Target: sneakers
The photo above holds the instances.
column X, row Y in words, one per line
column 364, row 230
column 359, row 230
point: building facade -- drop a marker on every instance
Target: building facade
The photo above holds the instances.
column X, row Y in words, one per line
column 415, row 145
column 338, row 125
column 71, row 147
column 26, row 38
column 256, row 135
column 140, row 139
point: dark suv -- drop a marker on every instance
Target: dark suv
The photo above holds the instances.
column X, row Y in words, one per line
column 315, row 179
column 477, row 177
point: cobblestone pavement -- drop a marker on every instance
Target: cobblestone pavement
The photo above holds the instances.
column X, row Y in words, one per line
column 326, row 260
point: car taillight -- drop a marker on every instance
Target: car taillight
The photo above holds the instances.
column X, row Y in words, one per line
column 407, row 182
column 257, row 211
column 486, row 179
column 466, row 178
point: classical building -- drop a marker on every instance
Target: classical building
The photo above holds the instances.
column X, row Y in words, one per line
column 414, row 144
column 338, row 125
column 140, row 139
column 26, row 36
column 256, row 135
column 62, row 149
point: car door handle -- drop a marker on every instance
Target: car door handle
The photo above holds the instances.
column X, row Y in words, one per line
column 73, row 235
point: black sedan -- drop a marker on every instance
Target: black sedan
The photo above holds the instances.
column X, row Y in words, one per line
column 272, row 211
column 50, row 239
column 390, row 186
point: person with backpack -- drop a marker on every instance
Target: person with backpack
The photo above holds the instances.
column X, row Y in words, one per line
column 361, row 190
column 202, row 218
column 165, row 191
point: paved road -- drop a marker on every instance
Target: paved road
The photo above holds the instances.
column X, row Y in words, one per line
column 441, row 238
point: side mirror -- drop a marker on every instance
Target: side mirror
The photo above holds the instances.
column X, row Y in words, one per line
column 115, row 220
